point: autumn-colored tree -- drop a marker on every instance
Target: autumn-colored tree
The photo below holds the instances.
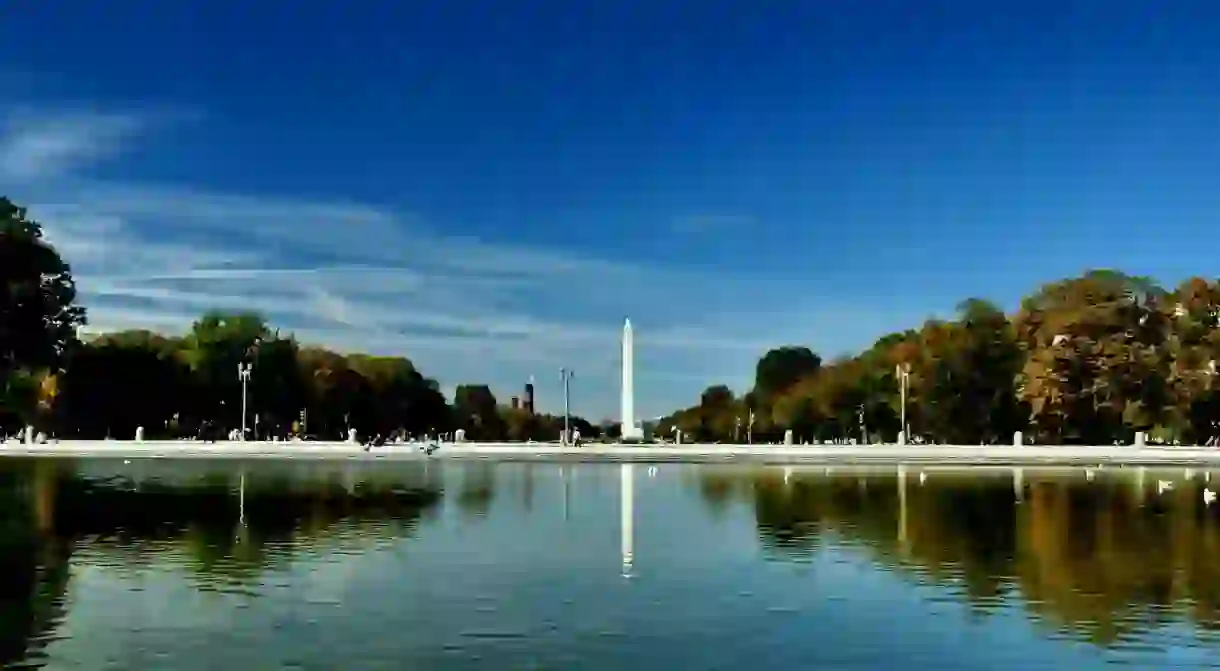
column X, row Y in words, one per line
column 1090, row 359
column 1192, row 348
column 1094, row 370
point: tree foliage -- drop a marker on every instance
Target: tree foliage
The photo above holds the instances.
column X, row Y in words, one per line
column 188, row 384
column 781, row 368
column 1091, row 359
column 181, row 386
column 38, row 312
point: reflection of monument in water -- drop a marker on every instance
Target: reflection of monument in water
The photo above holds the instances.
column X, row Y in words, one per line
column 627, row 510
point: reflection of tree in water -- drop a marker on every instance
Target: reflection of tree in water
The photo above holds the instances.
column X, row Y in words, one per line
column 33, row 573
column 717, row 490
column 46, row 510
column 204, row 521
column 1085, row 556
column 478, row 489
column 1103, row 565
column 527, row 489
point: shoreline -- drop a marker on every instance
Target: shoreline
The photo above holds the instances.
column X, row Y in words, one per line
column 963, row 455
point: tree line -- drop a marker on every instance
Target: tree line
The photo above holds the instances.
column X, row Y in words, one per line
column 175, row 386
column 1085, row 360
column 1091, row 359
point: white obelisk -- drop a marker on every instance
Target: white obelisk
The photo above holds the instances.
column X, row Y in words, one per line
column 629, row 429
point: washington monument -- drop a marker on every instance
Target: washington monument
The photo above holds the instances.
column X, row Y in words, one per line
column 627, row 415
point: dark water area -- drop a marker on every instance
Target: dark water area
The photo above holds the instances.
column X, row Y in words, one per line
column 162, row 564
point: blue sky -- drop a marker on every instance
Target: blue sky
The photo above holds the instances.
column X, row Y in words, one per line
column 489, row 187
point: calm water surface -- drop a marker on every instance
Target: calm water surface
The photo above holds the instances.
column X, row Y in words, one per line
column 183, row 565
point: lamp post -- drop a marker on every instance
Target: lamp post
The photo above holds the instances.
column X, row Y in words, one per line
column 902, row 372
column 737, row 430
column 1211, row 380
column 750, row 428
column 243, row 374
column 566, row 375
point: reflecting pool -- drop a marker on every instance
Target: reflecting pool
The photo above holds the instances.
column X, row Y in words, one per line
column 192, row 564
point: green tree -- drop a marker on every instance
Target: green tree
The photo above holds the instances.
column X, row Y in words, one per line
column 404, row 400
column 782, row 367
column 965, row 376
column 475, row 411
column 39, row 317
column 719, row 411
column 111, row 387
column 215, row 345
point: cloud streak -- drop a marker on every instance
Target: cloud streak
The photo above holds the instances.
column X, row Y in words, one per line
column 42, row 146
column 363, row 278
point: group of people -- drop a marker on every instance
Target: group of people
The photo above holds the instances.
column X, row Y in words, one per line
column 27, row 435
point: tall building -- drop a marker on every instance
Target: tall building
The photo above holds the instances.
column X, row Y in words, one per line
column 529, row 396
column 627, row 410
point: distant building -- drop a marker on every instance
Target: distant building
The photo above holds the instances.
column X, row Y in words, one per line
column 529, row 397
column 514, row 403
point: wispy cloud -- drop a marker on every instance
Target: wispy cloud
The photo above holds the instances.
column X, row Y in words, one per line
column 364, row 278
column 39, row 146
